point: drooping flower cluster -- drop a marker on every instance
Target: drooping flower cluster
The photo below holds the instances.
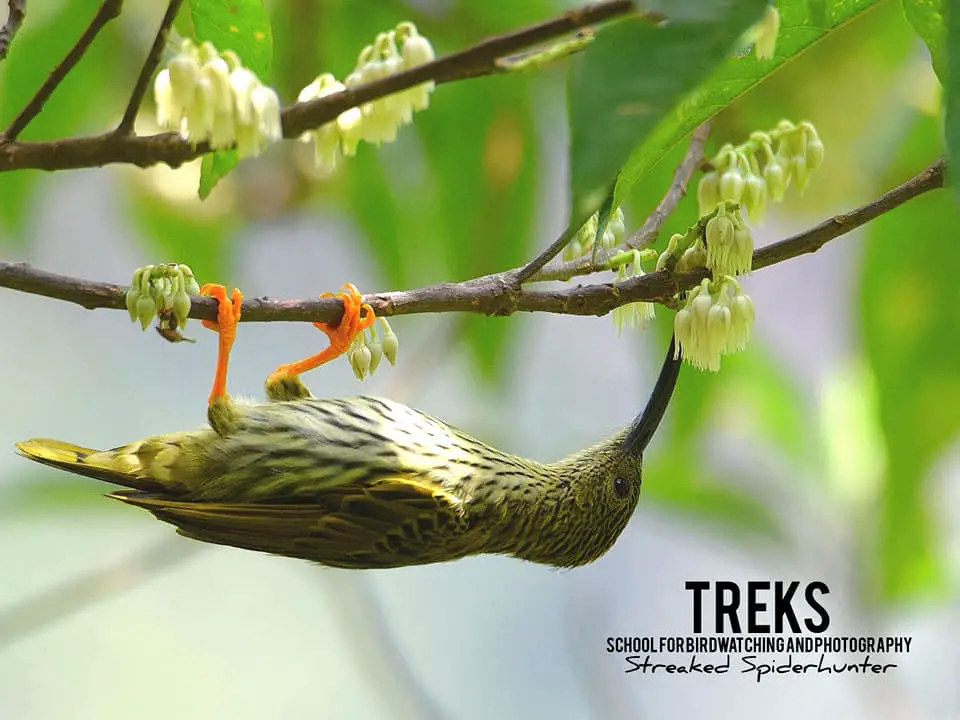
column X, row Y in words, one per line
column 378, row 121
column 162, row 291
column 366, row 350
column 716, row 320
column 335, row 139
column 587, row 235
column 635, row 314
column 752, row 173
column 729, row 244
column 719, row 241
column 208, row 96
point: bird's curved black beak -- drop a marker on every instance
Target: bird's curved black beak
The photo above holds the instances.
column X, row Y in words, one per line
column 647, row 422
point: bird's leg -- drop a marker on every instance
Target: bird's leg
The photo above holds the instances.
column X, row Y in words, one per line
column 284, row 383
column 219, row 408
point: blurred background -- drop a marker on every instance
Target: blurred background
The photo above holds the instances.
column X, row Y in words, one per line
column 827, row 451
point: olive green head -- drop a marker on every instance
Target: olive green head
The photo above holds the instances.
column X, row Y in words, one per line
column 593, row 493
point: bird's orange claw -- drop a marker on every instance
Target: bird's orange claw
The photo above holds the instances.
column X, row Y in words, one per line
column 228, row 315
column 357, row 317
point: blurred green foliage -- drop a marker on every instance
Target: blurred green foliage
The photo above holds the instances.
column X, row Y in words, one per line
column 457, row 196
column 86, row 98
column 911, row 334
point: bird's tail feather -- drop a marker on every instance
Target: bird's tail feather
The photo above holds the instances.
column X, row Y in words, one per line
column 113, row 466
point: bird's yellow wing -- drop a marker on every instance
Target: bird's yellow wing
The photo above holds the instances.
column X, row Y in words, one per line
column 388, row 523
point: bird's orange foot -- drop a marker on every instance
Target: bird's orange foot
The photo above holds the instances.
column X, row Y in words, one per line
column 228, row 315
column 357, row 317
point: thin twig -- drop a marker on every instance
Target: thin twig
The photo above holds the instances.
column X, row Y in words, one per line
column 107, row 12
column 651, row 226
column 491, row 294
column 17, row 11
column 170, row 149
column 675, row 193
column 146, row 72
column 528, row 271
column 77, row 593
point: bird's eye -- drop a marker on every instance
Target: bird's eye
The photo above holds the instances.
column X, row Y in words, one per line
column 621, row 487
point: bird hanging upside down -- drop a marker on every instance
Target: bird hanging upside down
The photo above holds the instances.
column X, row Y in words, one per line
column 365, row 482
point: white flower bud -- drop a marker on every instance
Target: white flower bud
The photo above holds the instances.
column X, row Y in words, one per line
column 243, row 83
column 708, row 192
column 189, row 281
column 616, row 224
column 184, row 72
column 700, row 307
column 693, row 257
column 741, row 252
column 573, row 250
column 776, row 180
column 417, row 50
column 731, row 185
column 360, row 361
column 248, row 140
column 376, row 352
column 719, row 239
column 798, row 168
column 219, row 75
column 350, row 125
column 168, row 112
column 181, row 308
column 146, row 309
column 741, row 323
column 266, row 108
column 206, row 52
column 131, row 298
column 391, row 345
column 326, row 147
column 814, row 153
column 197, row 123
column 755, row 197
column 223, row 133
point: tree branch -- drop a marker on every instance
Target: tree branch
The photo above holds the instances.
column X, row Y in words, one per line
column 149, row 65
column 490, row 294
column 107, row 12
column 169, row 148
column 17, row 11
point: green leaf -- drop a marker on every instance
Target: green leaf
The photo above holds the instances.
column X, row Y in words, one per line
column 926, row 17
column 908, row 299
column 242, row 26
column 801, row 25
column 239, row 25
column 214, row 166
column 630, row 77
